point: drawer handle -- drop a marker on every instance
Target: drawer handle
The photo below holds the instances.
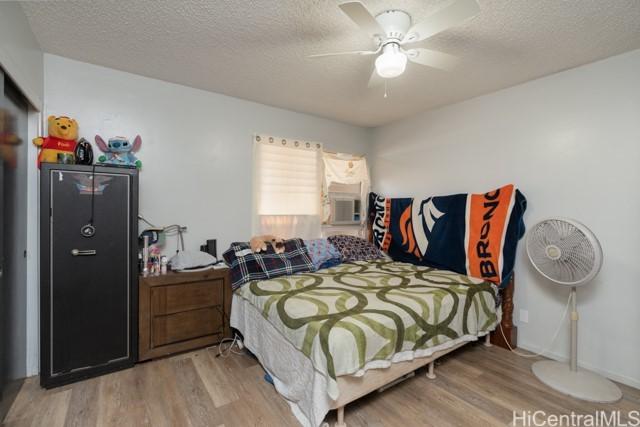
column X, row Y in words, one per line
column 87, row 252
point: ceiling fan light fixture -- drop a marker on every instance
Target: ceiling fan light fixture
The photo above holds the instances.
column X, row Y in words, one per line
column 392, row 62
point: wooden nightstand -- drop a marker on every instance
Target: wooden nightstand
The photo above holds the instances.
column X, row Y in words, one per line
column 183, row 311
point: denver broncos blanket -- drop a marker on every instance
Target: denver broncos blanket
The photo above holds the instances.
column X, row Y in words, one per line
column 472, row 234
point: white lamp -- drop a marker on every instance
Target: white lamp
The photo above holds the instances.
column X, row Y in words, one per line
column 392, row 62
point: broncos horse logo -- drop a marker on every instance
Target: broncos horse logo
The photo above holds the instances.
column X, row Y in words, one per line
column 415, row 238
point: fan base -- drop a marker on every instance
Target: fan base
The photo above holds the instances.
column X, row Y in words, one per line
column 583, row 384
column 396, row 23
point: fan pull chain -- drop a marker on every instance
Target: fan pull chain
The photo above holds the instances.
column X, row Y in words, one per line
column 385, row 88
column 555, row 335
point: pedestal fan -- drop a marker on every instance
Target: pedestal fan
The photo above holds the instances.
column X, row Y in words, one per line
column 567, row 253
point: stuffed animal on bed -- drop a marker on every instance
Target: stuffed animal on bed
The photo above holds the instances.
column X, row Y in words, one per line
column 119, row 151
column 63, row 133
column 260, row 244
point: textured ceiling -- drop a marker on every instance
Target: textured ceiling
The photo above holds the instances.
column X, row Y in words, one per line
column 256, row 49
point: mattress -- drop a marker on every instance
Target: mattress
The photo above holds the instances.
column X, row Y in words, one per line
column 309, row 328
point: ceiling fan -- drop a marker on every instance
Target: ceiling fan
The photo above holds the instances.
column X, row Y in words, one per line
column 392, row 30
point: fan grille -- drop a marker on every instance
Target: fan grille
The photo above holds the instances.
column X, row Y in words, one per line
column 564, row 251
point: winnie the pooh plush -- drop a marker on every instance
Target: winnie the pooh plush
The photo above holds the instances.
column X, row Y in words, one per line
column 63, row 134
column 259, row 244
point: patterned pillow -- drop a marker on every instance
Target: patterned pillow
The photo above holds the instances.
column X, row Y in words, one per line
column 321, row 251
column 355, row 248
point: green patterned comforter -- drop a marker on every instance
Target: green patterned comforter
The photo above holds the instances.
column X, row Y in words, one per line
column 344, row 317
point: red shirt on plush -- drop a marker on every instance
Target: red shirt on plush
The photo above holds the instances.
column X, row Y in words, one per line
column 53, row 143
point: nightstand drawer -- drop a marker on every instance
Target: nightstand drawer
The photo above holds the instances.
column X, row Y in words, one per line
column 177, row 298
column 183, row 311
column 172, row 328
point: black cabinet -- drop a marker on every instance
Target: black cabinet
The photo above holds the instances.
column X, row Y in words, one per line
column 88, row 271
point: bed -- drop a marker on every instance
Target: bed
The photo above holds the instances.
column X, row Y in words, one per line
column 328, row 338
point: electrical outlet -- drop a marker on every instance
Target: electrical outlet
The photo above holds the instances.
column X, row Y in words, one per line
column 524, row 316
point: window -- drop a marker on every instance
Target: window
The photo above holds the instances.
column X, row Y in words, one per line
column 345, row 176
column 287, row 187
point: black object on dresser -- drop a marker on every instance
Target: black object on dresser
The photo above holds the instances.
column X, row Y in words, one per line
column 88, row 271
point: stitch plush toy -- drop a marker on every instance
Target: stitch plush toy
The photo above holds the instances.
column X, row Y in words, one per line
column 259, row 244
column 63, row 133
column 119, row 151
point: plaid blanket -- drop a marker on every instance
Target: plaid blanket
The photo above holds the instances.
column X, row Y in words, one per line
column 247, row 266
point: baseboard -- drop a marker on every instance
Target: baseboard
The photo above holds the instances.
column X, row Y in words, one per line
column 623, row 379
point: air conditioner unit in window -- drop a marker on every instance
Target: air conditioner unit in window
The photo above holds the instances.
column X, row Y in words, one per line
column 345, row 210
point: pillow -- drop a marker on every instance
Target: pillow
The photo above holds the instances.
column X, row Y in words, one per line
column 354, row 248
column 246, row 266
column 321, row 251
column 187, row 260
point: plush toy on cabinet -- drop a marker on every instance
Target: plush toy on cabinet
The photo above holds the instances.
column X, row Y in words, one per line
column 63, row 133
column 119, row 151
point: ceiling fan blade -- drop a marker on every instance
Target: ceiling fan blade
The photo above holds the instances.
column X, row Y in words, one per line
column 354, row 52
column 362, row 17
column 375, row 79
column 432, row 58
column 447, row 17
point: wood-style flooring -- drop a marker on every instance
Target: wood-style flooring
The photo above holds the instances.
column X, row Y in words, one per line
column 475, row 386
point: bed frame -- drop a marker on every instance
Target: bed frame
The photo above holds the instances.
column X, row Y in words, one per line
column 352, row 388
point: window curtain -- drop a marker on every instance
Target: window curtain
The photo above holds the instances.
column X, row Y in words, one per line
column 287, row 187
column 345, row 170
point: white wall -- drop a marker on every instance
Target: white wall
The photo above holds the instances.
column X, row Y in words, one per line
column 571, row 142
column 196, row 145
column 20, row 54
